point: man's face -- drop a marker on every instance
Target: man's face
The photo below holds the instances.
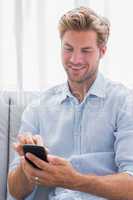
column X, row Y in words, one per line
column 81, row 55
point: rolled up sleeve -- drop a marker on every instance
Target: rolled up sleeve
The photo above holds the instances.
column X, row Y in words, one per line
column 123, row 145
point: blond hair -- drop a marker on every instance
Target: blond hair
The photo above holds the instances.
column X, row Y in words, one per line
column 84, row 19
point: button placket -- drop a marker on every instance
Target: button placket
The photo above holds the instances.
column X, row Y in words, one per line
column 77, row 130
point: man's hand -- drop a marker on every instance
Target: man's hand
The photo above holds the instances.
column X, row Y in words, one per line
column 27, row 138
column 24, row 185
column 57, row 172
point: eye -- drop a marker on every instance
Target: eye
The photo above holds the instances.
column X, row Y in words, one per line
column 68, row 49
column 87, row 50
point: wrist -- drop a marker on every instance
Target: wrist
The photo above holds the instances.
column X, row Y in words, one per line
column 84, row 183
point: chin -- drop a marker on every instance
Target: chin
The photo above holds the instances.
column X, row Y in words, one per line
column 75, row 80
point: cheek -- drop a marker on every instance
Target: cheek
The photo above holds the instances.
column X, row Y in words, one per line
column 97, row 56
column 92, row 58
column 65, row 57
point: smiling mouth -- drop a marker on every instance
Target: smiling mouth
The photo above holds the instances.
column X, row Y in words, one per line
column 77, row 68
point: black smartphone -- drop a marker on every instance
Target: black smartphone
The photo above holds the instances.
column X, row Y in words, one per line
column 38, row 151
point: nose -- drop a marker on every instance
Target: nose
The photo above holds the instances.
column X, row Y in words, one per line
column 76, row 57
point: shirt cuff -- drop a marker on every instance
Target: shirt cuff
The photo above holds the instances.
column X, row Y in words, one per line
column 129, row 172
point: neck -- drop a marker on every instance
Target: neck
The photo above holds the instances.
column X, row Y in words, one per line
column 79, row 90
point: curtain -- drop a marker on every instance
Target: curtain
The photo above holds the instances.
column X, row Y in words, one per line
column 118, row 63
column 30, row 44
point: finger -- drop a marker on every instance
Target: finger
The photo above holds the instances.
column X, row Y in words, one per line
column 38, row 140
column 29, row 139
column 39, row 163
column 26, row 138
column 21, row 139
column 56, row 160
column 26, row 170
column 18, row 148
column 31, row 173
column 29, row 170
column 40, row 181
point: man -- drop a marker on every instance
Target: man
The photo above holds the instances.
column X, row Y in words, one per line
column 86, row 123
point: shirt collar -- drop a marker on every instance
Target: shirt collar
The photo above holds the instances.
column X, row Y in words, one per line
column 97, row 89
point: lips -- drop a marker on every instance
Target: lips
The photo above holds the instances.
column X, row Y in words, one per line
column 77, row 68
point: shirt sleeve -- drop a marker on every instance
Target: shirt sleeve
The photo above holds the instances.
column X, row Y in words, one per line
column 129, row 173
column 30, row 121
column 123, row 145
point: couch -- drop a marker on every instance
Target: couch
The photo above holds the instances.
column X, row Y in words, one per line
column 12, row 105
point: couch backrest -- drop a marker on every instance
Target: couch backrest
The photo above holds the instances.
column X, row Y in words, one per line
column 4, row 110
column 10, row 119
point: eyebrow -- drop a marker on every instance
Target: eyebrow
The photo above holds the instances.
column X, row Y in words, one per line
column 87, row 48
column 84, row 48
column 66, row 44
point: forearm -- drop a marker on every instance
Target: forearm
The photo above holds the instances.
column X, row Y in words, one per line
column 113, row 187
column 19, row 186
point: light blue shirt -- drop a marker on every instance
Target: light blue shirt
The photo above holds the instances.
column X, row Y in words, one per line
column 96, row 135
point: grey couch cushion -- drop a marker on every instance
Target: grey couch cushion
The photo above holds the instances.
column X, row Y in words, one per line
column 3, row 143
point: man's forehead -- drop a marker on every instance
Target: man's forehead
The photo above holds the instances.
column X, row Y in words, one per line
column 80, row 33
column 81, row 37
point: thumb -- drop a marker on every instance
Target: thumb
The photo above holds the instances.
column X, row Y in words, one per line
column 55, row 160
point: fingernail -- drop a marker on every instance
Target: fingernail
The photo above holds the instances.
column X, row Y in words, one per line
column 27, row 155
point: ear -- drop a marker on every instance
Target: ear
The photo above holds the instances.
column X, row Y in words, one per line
column 102, row 50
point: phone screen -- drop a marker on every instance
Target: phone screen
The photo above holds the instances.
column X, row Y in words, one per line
column 38, row 151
